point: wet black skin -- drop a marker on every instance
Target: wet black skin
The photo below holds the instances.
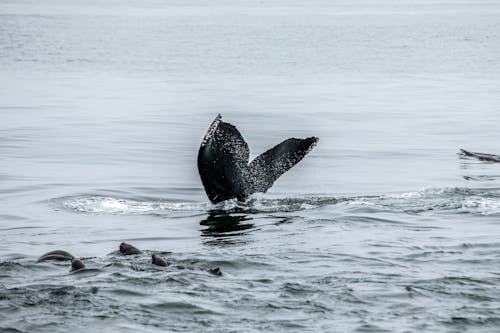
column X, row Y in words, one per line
column 480, row 156
column 215, row 271
column 224, row 168
column 57, row 255
column 76, row 264
column 128, row 249
column 159, row 261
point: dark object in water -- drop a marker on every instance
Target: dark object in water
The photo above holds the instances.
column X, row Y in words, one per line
column 480, row 156
column 76, row 264
column 215, row 271
column 223, row 162
column 157, row 260
column 57, row 255
column 128, row 249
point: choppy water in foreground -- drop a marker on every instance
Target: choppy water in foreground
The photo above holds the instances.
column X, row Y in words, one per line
column 382, row 228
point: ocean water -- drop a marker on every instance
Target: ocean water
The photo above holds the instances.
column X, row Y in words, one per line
column 381, row 228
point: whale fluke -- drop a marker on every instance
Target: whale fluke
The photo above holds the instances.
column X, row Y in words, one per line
column 223, row 162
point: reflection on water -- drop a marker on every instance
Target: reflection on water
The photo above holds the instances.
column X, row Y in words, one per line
column 223, row 224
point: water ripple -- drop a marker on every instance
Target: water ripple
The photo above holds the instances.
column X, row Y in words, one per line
column 454, row 200
column 96, row 204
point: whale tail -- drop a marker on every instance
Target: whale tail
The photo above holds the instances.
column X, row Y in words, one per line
column 223, row 162
column 222, row 156
column 266, row 168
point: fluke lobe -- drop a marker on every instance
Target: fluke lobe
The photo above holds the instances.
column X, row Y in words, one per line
column 223, row 162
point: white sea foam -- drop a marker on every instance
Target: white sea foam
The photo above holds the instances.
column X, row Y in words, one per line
column 478, row 205
column 120, row 206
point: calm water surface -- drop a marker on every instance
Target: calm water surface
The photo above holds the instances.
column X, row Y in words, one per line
column 382, row 228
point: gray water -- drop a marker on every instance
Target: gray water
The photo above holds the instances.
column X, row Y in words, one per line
column 381, row 228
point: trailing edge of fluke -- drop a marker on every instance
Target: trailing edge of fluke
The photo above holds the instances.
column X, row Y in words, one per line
column 225, row 171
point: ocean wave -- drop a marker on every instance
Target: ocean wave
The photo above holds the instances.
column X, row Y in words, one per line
column 482, row 201
column 97, row 204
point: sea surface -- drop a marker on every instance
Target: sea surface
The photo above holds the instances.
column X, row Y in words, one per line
column 383, row 227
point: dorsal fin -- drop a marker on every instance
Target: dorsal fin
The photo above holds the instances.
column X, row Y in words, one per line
column 480, row 156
